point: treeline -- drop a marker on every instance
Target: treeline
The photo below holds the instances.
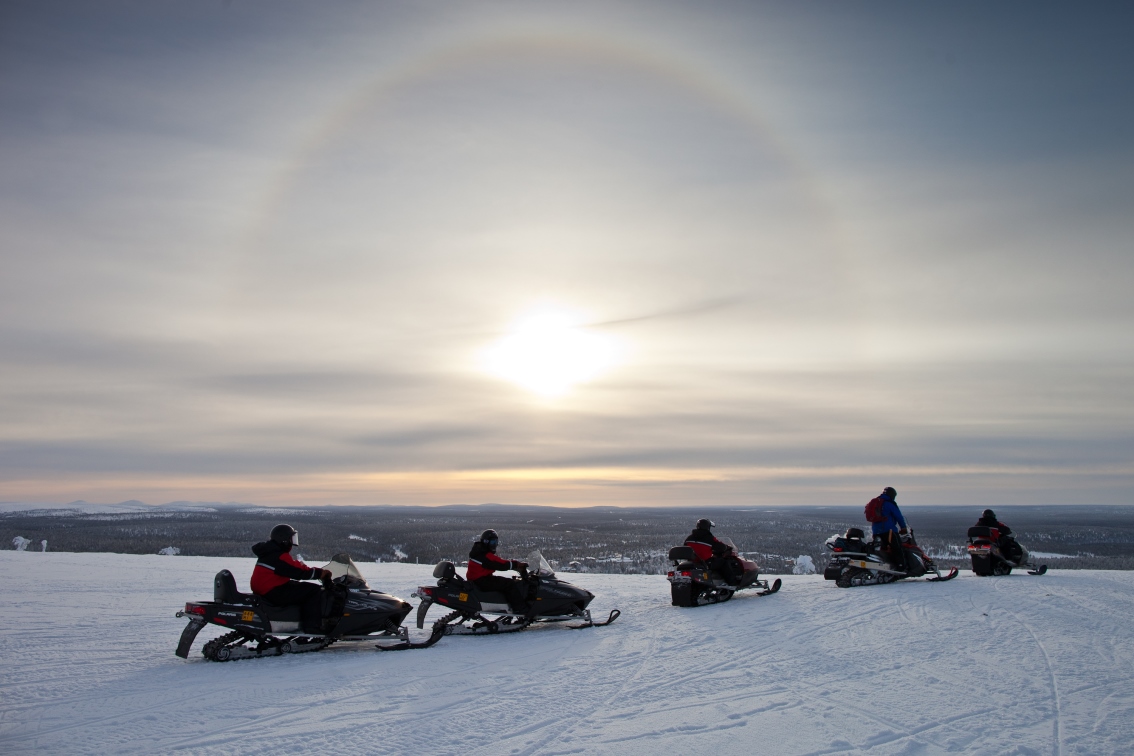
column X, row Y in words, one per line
column 630, row 541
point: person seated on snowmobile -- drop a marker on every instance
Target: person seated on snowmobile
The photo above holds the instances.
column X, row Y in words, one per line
column 277, row 574
column 1002, row 534
column 483, row 562
column 717, row 554
column 891, row 527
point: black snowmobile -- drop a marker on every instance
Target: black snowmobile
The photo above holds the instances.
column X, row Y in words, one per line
column 550, row 599
column 352, row 612
column 990, row 559
column 854, row 561
column 693, row 583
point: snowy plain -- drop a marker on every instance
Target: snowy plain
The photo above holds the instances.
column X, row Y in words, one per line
column 1010, row 665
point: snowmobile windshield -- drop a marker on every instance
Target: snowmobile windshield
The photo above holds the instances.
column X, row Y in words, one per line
column 342, row 565
column 728, row 542
column 539, row 565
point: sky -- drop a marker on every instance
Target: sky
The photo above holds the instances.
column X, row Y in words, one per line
column 616, row 253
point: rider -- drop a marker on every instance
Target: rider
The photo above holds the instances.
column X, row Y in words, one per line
column 1002, row 535
column 277, row 574
column 483, row 562
column 891, row 527
column 717, row 554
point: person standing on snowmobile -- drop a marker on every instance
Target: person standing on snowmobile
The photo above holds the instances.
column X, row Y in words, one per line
column 713, row 552
column 1003, row 535
column 891, row 527
column 277, row 574
column 483, row 562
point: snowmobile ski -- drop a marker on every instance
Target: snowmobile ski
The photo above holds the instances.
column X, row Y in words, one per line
column 769, row 591
column 614, row 614
column 939, row 578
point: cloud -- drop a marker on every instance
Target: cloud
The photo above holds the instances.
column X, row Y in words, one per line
column 256, row 255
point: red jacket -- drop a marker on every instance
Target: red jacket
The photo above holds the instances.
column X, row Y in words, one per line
column 483, row 562
column 705, row 545
column 276, row 567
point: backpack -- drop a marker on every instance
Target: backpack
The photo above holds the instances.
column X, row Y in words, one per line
column 873, row 510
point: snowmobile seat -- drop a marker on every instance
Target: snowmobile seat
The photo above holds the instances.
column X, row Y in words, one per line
column 981, row 531
column 682, row 554
column 224, row 589
column 445, row 572
column 279, row 612
column 855, row 534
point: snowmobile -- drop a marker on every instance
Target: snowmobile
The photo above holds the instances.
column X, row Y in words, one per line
column 854, row 561
column 693, row 583
column 352, row 611
column 549, row 598
column 989, row 559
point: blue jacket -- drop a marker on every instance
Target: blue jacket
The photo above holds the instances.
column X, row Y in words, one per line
column 893, row 515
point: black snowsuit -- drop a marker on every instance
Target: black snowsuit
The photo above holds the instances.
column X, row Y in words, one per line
column 720, row 560
column 1006, row 542
column 486, row 560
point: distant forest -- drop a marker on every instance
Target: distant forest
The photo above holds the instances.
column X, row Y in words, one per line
column 600, row 539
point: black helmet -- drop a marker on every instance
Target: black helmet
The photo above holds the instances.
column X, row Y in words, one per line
column 988, row 514
column 490, row 539
column 285, row 535
column 704, row 524
column 889, row 491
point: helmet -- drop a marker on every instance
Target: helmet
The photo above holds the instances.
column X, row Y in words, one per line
column 888, row 491
column 988, row 514
column 285, row 535
column 489, row 539
column 705, row 524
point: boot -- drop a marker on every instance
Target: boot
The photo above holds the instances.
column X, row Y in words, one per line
column 898, row 558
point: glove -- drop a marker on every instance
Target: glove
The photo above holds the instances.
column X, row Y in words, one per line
column 519, row 566
column 324, row 575
column 902, row 531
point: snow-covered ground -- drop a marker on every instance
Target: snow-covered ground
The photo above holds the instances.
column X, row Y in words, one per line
column 1014, row 665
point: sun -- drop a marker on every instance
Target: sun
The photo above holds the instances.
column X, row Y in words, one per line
column 548, row 353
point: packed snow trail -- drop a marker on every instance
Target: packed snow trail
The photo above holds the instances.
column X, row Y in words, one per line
column 1015, row 665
